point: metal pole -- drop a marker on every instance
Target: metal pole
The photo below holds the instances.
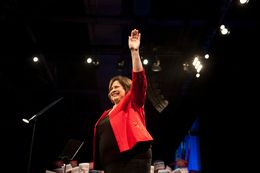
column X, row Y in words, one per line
column 31, row 148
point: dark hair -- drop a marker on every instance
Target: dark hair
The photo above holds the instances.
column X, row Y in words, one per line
column 123, row 80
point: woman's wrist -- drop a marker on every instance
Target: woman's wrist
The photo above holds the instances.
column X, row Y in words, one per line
column 134, row 50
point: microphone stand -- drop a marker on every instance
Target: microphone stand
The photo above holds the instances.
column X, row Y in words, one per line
column 31, row 147
column 34, row 117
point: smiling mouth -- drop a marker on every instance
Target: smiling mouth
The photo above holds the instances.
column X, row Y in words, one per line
column 114, row 94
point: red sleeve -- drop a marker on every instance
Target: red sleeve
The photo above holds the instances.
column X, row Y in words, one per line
column 139, row 86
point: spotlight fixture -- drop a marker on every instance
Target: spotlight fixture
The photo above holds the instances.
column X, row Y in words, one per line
column 186, row 67
column 92, row 60
column 95, row 62
column 156, row 66
column 224, row 30
column 243, row 1
column 120, row 65
column 145, row 62
column 88, row 60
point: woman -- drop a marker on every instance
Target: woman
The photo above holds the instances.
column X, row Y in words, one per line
column 122, row 143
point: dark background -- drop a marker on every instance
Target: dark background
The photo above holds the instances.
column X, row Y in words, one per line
column 62, row 33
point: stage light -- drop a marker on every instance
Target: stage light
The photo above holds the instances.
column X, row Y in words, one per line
column 243, row 1
column 120, row 64
column 145, row 61
column 156, row 66
column 25, row 120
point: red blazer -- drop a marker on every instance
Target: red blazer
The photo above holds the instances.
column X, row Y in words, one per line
column 128, row 118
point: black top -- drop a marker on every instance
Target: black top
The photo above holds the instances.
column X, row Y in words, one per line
column 107, row 148
column 106, row 143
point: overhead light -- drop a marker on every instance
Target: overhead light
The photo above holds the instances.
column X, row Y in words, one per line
column 224, row 30
column 91, row 60
column 120, row 64
column 145, row 61
column 95, row 62
column 243, row 1
column 88, row 60
column 25, row 120
column 156, row 66
column 185, row 66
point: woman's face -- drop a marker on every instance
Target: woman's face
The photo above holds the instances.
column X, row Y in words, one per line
column 117, row 92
